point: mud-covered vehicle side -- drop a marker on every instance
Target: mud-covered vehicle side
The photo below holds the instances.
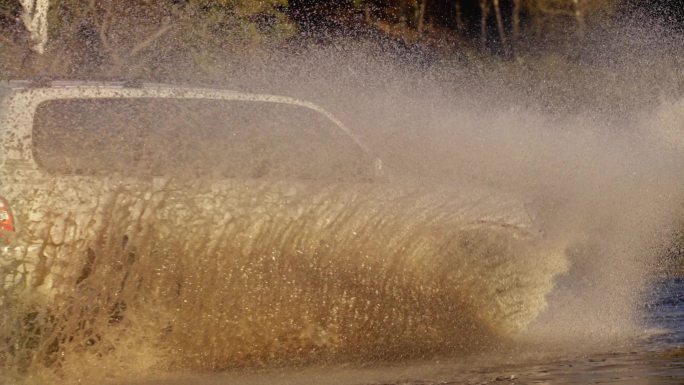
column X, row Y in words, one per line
column 55, row 176
column 207, row 227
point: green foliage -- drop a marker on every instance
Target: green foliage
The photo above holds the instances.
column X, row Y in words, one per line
column 9, row 6
column 143, row 38
column 146, row 38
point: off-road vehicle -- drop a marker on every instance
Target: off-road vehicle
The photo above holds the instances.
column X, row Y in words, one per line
column 260, row 220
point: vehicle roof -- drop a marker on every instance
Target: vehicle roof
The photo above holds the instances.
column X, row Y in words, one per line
column 90, row 86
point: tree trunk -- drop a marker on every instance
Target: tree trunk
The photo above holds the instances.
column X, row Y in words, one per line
column 34, row 15
column 515, row 16
column 421, row 16
column 484, row 15
column 459, row 18
column 500, row 26
column 579, row 17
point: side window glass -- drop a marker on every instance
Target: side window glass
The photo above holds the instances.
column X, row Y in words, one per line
column 192, row 138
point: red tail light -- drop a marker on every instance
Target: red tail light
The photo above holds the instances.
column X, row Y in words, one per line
column 6, row 221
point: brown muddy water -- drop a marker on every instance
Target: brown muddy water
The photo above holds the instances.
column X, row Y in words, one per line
column 654, row 355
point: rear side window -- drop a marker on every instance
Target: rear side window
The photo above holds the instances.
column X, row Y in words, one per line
column 192, row 138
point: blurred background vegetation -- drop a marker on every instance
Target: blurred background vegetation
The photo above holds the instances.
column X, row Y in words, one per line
column 153, row 39
column 137, row 37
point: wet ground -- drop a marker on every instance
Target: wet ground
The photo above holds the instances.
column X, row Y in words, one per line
column 655, row 358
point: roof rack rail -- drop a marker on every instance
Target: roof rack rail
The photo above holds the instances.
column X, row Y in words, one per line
column 133, row 83
column 14, row 83
column 40, row 82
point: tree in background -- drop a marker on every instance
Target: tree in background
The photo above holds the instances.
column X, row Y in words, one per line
column 501, row 23
column 547, row 13
column 34, row 16
column 134, row 38
column 142, row 38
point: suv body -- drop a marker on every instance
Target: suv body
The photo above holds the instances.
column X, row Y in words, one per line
column 55, row 211
column 73, row 226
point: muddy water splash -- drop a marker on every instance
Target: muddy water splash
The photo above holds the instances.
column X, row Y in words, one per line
column 216, row 275
column 202, row 274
